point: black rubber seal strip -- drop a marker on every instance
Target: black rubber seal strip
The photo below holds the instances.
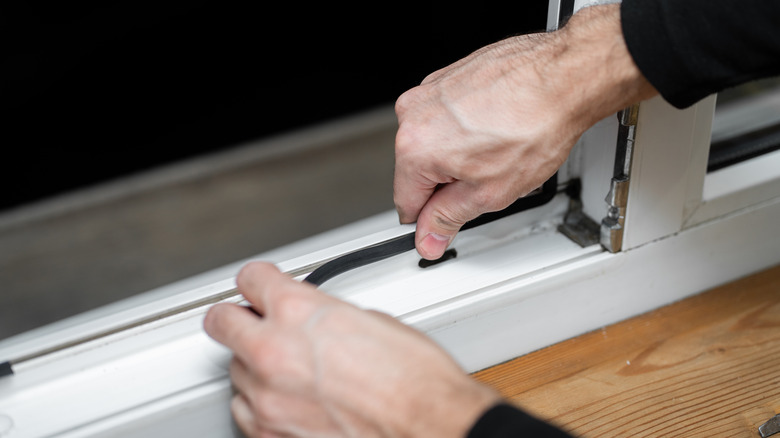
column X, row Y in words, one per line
column 744, row 147
column 405, row 243
column 361, row 257
column 395, row 246
column 448, row 255
column 5, row 369
column 549, row 189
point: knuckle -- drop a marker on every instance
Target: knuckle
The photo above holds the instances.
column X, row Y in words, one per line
column 266, row 359
column 404, row 101
column 404, row 214
column 484, row 199
column 430, row 77
column 447, row 219
column 405, row 140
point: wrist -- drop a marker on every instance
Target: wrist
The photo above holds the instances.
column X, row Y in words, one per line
column 454, row 412
column 595, row 57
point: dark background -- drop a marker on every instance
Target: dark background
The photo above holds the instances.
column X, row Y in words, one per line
column 94, row 90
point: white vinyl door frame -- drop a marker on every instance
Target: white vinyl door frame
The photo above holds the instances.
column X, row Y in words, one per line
column 517, row 285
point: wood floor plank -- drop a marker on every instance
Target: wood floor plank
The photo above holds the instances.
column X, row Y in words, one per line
column 706, row 366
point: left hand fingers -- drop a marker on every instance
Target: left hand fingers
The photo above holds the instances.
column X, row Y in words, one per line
column 272, row 407
column 235, row 327
column 277, row 296
column 244, row 381
column 246, row 406
column 243, row 415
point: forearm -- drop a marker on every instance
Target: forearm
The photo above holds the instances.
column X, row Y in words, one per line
column 490, row 128
column 597, row 67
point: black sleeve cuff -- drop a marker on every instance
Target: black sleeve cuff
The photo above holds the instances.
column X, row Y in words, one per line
column 506, row 421
column 690, row 49
column 651, row 47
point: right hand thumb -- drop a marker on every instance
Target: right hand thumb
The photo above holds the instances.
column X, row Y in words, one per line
column 442, row 216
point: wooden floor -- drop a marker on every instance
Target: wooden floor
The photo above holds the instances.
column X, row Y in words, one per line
column 708, row 366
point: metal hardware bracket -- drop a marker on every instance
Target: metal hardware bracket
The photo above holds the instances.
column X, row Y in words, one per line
column 577, row 225
column 771, row 427
column 617, row 198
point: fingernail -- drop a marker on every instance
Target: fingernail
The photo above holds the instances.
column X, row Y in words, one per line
column 435, row 244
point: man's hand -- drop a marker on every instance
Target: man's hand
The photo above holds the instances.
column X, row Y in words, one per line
column 490, row 128
column 315, row 366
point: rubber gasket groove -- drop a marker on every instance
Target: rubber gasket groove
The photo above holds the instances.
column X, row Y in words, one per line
column 361, row 257
column 405, row 243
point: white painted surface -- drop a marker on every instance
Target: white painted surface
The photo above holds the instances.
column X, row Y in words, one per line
column 553, row 12
column 514, row 289
column 184, row 291
column 516, row 286
column 596, row 153
column 738, row 186
column 747, row 114
column 663, row 169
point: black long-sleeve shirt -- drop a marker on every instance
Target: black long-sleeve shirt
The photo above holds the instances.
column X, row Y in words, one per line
column 687, row 49
column 506, row 421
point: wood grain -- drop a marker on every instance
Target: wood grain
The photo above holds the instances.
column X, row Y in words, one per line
column 707, row 366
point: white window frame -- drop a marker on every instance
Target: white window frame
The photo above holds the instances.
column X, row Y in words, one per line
column 517, row 285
